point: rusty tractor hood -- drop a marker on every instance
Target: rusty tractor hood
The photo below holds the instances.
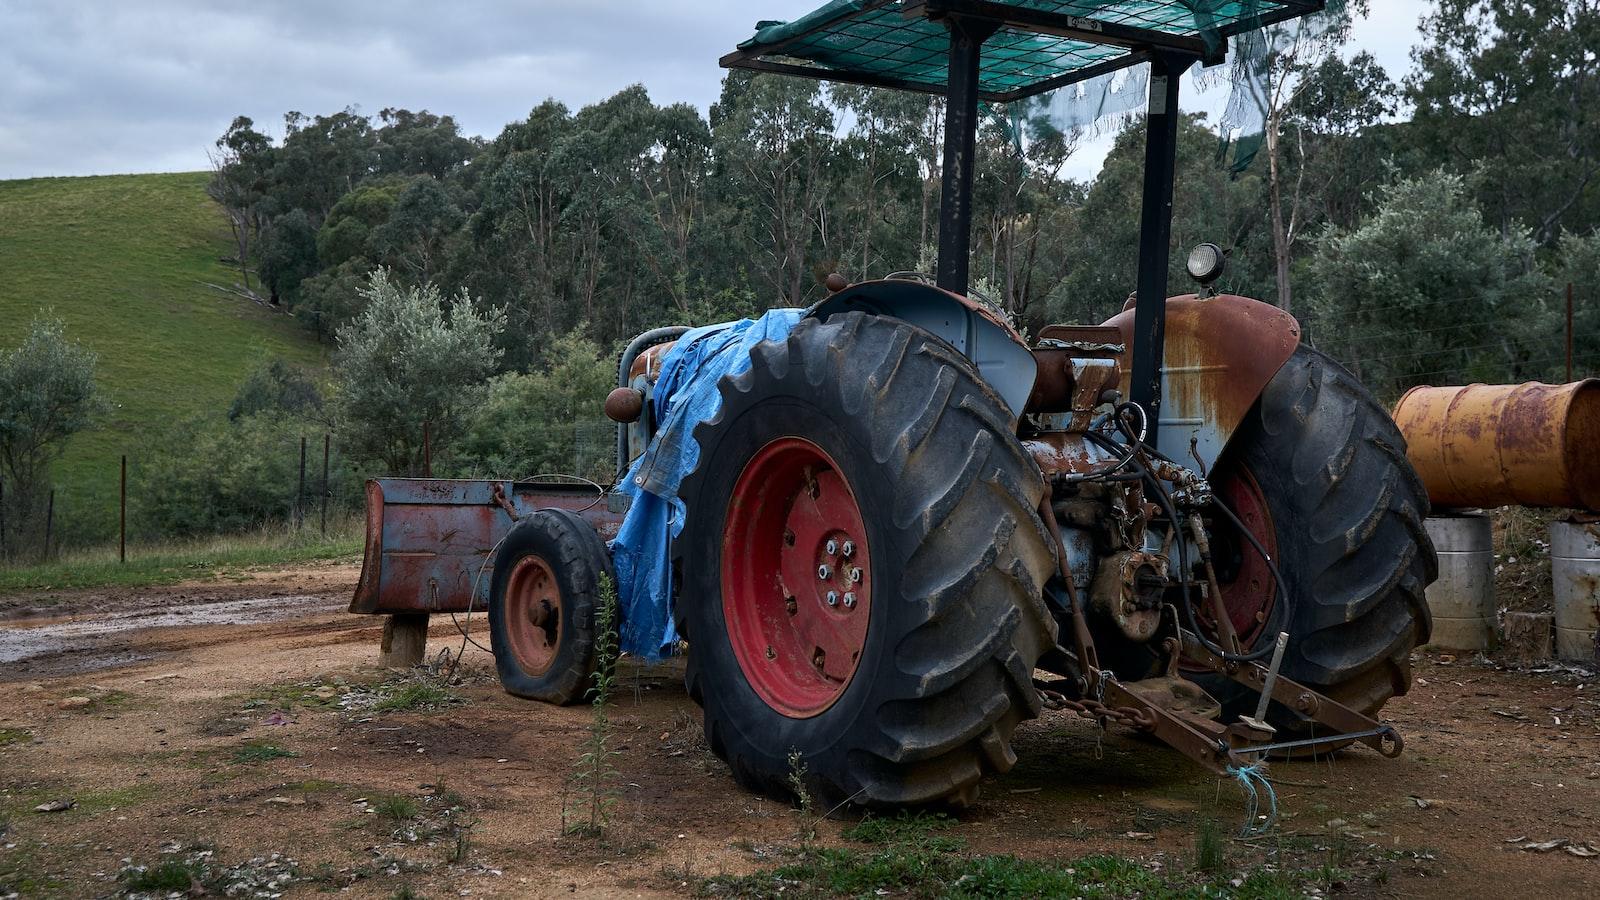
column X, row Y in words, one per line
column 1220, row 354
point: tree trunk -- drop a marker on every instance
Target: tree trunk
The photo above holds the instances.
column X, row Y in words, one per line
column 1280, row 232
column 1527, row 637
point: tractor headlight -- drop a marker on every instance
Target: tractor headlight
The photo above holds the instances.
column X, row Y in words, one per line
column 1206, row 263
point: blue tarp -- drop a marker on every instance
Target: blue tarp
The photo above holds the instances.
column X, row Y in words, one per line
column 685, row 395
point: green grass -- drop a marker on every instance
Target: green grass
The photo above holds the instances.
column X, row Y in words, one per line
column 915, row 855
column 9, row 736
column 1210, row 855
column 170, row 874
column 121, row 259
column 23, row 871
column 19, row 804
column 396, row 807
column 260, row 751
column 289, row 695
column 415, row 695
column 921, row 872
column 902, row 828
column 172, row 562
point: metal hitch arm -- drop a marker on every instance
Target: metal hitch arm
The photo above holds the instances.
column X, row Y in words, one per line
column 1346, row 723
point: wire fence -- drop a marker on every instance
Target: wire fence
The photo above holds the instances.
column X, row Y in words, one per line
column 1553, row 345
column 301, row 483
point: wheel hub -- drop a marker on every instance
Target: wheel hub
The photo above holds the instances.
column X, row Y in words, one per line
column 796, row 577
column 533, row 614
column 1249, row 593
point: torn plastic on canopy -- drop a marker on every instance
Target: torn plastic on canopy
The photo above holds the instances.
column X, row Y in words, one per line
column 1107, row 102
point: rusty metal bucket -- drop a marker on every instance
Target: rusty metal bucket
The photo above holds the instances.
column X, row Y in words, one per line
column 1503, row 445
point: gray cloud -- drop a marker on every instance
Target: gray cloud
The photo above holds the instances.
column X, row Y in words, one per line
column 99, row 87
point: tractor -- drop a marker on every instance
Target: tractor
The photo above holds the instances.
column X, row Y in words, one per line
column 905, row 529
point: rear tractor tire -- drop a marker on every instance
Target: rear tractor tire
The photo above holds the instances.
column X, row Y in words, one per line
column 542, row 603
column 863, row 569
column 1319, row 474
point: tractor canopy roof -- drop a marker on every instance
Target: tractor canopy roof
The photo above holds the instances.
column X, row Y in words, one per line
column 1039, row 45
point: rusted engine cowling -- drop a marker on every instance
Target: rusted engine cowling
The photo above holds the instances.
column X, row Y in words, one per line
column 1503, row 445
column 1077, row 366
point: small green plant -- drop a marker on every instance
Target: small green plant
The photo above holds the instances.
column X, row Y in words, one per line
column 396, row 807
column 10, row 736
column 171, row 874
column 1209, row 854
column 415, row 694
column 902, row 828
column 458, row 850
column 806, row 830
column 260, row 751
column 406, row 892
column 594, row 775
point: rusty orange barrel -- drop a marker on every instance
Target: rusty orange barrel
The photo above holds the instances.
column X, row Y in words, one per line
column 1489, row 445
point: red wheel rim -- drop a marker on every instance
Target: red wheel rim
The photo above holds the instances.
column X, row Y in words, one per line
column 1250, row 593
column 796, row 577
column 533, row 614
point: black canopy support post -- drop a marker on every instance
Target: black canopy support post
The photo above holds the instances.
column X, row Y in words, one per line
column 1155, row 234
column 960, row 145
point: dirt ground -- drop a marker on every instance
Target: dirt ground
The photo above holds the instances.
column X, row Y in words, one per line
column 251, row 736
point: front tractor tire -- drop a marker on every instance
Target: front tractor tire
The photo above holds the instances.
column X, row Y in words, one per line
column 1319, row 474
column 863, row 569
column 542, row 603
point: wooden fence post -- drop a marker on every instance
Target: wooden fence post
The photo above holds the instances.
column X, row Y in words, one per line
column 49, row 523
column 300, row 489
column 327, row 441
column 122, row 515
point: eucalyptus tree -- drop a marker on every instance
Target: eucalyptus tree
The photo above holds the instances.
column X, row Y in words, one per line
column 47, row 394
column 1512, row 88
column 411, row 368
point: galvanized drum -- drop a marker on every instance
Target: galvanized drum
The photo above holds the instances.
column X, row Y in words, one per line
column 1575, row 564
column 1462, row 600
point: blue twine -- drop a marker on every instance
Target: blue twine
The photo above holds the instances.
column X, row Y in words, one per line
column 1249, row 776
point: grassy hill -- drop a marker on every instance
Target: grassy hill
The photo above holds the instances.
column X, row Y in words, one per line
column 121, row 259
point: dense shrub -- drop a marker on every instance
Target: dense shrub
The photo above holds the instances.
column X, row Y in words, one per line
column 546, row 421
column 211, row 475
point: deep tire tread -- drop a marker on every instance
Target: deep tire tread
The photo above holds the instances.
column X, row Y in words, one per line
column 970, row 621
column 1349, row 510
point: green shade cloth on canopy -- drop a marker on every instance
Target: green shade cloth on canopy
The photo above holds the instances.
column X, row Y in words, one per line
column 896, row 44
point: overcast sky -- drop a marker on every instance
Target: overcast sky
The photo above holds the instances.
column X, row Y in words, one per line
column 90, row 87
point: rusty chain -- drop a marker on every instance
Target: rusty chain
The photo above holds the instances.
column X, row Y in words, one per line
column 1138, row 719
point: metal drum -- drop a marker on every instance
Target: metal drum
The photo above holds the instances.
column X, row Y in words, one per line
column 1575, row 564
column 1484, row 446
column 1462, row 600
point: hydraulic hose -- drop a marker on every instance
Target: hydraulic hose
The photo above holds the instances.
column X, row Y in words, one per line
column 1164, row 497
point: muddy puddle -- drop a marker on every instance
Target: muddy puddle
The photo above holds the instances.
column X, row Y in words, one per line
column 99, row 640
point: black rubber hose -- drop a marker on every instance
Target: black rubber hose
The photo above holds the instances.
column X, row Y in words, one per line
column 1171, row 509
column 1183, row 563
